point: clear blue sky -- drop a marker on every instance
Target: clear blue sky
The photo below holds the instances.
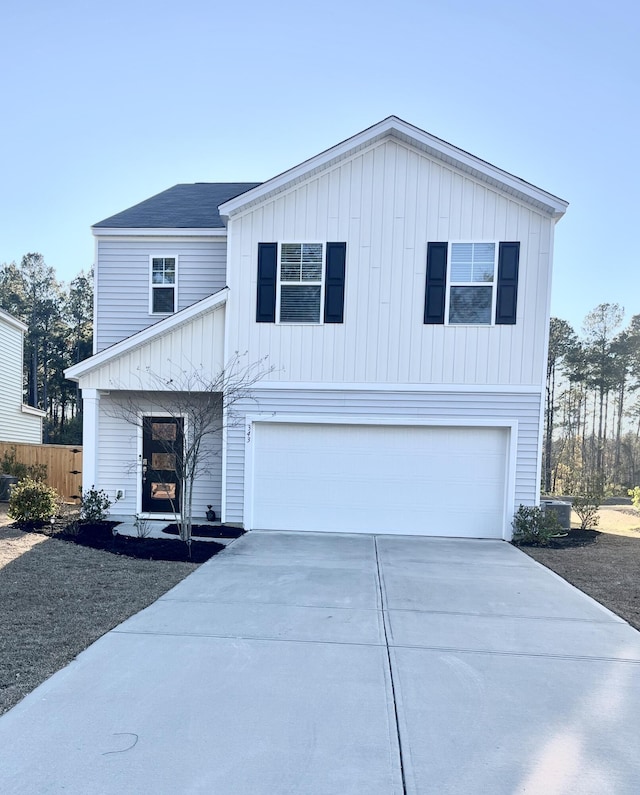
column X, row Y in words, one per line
column 104, row 105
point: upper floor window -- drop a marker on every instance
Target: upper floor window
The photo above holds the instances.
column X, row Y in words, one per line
column 472, row 284
column 162, row 299
column 300, row 282
column 472, row 276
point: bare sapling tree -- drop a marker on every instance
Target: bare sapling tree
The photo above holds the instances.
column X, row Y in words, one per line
column 203, row 405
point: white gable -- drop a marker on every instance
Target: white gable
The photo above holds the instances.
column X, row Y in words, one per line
column 187, row 342
column 436, row 148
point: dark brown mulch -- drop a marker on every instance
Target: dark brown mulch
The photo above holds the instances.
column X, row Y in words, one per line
column 207, row 531
column 575, row 538
column 572, row 538
column 100, row 536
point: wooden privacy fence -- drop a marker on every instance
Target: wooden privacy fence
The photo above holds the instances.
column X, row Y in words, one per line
column 63, row 462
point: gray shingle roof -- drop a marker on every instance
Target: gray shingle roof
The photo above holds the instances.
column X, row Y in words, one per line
column 189, row 206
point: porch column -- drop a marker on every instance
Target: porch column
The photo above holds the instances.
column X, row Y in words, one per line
column 90, row 414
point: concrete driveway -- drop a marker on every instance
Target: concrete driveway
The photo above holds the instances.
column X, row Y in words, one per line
column 304, row 663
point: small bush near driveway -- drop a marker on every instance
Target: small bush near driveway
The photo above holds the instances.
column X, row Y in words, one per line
column 533, row 525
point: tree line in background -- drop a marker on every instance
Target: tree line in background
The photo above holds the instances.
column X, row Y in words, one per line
column 592, row 406
column 60, row 333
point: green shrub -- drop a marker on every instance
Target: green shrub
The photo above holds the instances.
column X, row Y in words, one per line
column 32, row 501
column 11, row 466
column 634, row 493
column 586, row 506
column 532, row 525
column 94, row 506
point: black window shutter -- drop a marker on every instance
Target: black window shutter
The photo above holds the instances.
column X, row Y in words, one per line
column 436, row 285
column 334, row 283
column 507, row 298
column 267, row 274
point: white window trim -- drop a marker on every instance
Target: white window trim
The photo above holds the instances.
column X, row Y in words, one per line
column 493, row 284
column 152, row 285
column 279, row 283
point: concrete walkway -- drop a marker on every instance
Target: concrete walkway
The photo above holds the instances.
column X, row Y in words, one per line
column 344, row 664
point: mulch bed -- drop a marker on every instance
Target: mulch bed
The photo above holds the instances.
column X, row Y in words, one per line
column 573, row 538
column 207, row 531
column 101, row 536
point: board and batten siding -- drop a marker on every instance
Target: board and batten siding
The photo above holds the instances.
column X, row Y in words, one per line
column 123, row 280
column 387, row 201
column 16, row 423
column 523, row 407
column 118, row 466
column 195, row 346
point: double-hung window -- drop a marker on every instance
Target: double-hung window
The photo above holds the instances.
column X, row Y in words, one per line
column 474, row 284
column 472, row 278
column 300, row 282
column 163, row 297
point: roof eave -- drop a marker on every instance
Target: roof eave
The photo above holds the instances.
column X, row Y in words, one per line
column 13, row 321
column 76, row 371
column 406, row 132
column 154, row 231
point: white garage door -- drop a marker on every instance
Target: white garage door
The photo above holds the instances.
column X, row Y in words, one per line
column 425, row 480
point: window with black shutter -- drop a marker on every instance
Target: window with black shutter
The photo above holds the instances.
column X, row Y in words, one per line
column 471, row 283
column 301, row 283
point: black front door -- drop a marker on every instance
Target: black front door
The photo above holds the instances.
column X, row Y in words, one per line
column 162, row 446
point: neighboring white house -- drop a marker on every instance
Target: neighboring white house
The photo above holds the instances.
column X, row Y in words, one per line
column 399, row 288
column 18, row 422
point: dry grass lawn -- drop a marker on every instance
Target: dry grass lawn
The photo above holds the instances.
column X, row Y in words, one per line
column 58, row 597
column 608, row 568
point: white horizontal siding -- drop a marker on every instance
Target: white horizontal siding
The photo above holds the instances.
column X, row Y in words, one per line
column 118, row 456
column 193, row 347
column 15, row 425
column 387, row 201
column 123, row 281
column 525, row 408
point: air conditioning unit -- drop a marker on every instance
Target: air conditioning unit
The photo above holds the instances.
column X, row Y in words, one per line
column 561, row 509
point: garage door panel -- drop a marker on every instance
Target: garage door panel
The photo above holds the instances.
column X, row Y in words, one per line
column 371, row 478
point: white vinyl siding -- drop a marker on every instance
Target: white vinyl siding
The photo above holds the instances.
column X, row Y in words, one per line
column 15, row 424
column 318, row 403
column 387, row 201
column 123, row 281
column 118, row 463
column 197, row 344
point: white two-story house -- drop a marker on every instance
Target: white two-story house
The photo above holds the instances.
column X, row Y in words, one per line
column 18, row 422
column 396, row 288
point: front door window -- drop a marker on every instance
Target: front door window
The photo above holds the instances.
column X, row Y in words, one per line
column 162, row 449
